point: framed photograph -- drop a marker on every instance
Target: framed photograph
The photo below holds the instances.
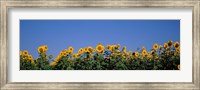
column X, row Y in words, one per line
column 63, row 44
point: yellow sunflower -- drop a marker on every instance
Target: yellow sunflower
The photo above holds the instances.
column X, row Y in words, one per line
column 89, row 49
column 85, row 50
column 169, row 43
column 109, row 47
column 114, row 47
column 155, row 46
column 25, row 53
column 30, row 57
column 40, row 49
column 80, row 51
column 176, row 45
column 137, row 54
column 144, row 52
column 100, row 48
column 152, row 52
column 165, row 45
column 70, row 49
column 75, row 55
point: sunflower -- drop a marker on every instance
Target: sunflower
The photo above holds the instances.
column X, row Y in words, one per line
column 40, row 49
column 62, row 53
column 169, row 43
column 137, row 54
column 165, row 45
column 176, row 45
column 85, row 50
column 144, row 52
column 70, row 49
column 89, row 49
column 152, row 52
column 66, row 52
column 80, row 51
column 155, row 46
column 45, row 47
column 108, row 47
column 179, row 67
column 114, row 47
column 160, row 47
column 30, row 57
column 20, row 52
column 100, row 48
column 124, row 49
column 118, row 46
column 75, row 55
column 25, row 53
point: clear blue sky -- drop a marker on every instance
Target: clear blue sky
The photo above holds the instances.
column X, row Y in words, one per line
column 60, row 34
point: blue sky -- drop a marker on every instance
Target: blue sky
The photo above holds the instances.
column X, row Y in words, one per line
column 60, row 34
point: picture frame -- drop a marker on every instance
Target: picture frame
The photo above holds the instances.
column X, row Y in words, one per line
column 4, row 44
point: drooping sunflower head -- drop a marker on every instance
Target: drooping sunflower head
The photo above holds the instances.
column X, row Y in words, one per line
column 176, row 45
column 169, row 43
column 100, row 48
column 155, row 46
column 25, row 53
column 70, row 49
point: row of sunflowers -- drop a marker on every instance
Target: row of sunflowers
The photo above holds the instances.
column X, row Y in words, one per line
column 111, row 57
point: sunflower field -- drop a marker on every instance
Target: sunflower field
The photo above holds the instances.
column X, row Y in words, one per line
column 109, row 57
